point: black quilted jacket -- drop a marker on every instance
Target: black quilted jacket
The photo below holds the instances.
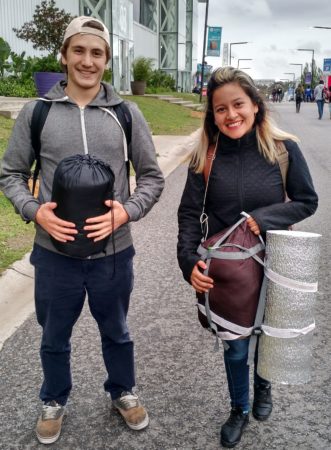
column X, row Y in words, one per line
column 242, row 180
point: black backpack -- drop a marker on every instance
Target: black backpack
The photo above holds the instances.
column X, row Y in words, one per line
column 39, row 117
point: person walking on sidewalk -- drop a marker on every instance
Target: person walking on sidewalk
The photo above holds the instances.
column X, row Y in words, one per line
column 299, row 93
column 319, row 94
column 78, row 123
column 328, row 100
column 245, row 176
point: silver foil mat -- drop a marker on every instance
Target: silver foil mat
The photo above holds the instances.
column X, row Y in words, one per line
column 295, row 255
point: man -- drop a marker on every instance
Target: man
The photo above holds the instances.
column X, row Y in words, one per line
column 320, row 99
column 78, row 122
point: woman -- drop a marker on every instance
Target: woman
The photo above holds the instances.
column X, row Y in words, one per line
column 245, row 176
column 299, row 92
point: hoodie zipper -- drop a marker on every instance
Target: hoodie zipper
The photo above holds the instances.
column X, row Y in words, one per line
column 82, row 121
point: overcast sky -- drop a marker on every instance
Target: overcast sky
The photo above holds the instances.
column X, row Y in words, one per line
column 275, row 29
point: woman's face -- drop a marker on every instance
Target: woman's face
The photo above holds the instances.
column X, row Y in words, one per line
column 234, row 111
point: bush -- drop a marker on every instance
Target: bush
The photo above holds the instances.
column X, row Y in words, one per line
column 160, row 81
column 46, row 64
column 142, row 68
column 15, row 87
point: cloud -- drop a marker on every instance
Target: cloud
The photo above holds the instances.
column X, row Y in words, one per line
column 275, row 29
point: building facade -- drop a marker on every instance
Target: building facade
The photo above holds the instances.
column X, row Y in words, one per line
column 164, row 30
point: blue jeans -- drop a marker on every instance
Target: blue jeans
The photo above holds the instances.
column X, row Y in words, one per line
column 237, row 371
column 320, row 107
column 61, row 284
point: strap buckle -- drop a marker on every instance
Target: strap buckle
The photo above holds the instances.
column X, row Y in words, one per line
column 257, row 331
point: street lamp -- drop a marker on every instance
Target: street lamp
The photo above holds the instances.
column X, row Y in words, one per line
column 291, row 73
column 324, row 28
column 204, row 49
column 243, row 59
column 295, row 64
column 312, row 62
column 235, row 43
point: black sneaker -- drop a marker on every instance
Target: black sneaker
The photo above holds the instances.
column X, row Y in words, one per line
column 233, row 428
column 262, row 404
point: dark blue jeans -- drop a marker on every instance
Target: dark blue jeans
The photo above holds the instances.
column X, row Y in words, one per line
column 61, row 284
column 237, row 371
column 320, row 107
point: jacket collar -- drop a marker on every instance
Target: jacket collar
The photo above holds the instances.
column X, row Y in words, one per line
column 248, row 140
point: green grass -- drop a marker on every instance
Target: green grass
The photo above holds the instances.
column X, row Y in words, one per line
column 6, row 126
column 16, row 236
column 165, row 118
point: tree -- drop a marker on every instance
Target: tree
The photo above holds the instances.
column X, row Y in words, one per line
column 4, row 53
column 47, row 28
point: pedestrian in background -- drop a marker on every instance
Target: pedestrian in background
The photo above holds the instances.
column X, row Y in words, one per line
column 244, row 176
column 308, row 94
column 299, row 93
column 319, row 94
column 80, row 121
column 329, row 100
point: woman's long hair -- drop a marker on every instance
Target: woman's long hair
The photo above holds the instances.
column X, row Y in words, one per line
column 269, row 136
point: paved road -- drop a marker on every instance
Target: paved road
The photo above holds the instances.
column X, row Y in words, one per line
column 179, row 377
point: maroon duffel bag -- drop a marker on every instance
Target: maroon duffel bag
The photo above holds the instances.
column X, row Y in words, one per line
column 234, row 259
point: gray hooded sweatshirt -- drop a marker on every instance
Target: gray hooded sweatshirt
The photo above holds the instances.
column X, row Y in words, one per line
column 69, row 130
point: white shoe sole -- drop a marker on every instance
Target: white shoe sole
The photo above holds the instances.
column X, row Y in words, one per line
column 139, row 426
column 48, row 440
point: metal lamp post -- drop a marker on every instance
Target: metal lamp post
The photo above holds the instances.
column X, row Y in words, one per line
column 295, row 64
column 204, row 48
column 291, row 73
column 235, row 43
column 312, row 62
column 243, row 59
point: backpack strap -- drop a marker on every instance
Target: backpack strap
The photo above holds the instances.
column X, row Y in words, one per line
column 39, row 116
column 124, row 116
column 209, row 161
column 282, row 159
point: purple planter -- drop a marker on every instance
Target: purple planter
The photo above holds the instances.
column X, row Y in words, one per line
column 46, row 80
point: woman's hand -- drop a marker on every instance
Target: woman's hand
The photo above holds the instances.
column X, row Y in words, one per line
column 59, row 229
column 253, row 226
column 103, row 226
column 200, row 282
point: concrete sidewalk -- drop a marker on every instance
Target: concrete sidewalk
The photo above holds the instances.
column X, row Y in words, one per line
column 17, row 283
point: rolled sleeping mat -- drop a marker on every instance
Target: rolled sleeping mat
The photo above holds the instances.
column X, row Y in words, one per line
column 285, row 346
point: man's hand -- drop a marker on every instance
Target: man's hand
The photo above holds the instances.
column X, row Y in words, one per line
column 103, row 226
column 199, row 281
column 253, row 226
column 59, row 229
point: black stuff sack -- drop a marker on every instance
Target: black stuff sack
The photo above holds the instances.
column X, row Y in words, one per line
column 81, row 185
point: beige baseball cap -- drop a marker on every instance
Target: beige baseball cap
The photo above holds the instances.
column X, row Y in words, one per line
column 79, row 25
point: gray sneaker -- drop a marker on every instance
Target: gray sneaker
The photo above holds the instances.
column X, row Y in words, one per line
column 50, row 422
column 133, row 413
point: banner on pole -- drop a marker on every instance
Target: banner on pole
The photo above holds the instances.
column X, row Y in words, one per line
column 308, row 78
column 327, row 66
column 214, row 41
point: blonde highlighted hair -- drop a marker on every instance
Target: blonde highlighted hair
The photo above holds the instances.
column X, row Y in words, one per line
column 269, row 137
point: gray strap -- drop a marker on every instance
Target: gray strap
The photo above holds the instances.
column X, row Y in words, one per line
column 258, row 322
column 244, row 254
column 208, row 312
column 227, row 234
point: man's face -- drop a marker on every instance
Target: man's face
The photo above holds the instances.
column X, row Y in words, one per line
column 85, row 60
